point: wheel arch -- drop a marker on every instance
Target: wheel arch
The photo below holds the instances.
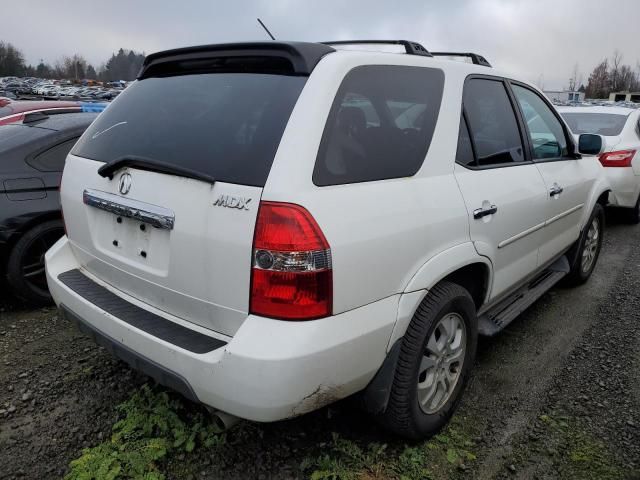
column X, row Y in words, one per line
column 599, row 194
column 461, row 265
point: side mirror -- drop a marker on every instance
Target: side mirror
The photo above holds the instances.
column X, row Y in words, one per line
column 590, row 144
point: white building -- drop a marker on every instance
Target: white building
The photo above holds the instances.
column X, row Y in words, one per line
column 625, row 97
column 564, row 95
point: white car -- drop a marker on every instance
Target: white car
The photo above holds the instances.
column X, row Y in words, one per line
column 270, row 227
column 620, row 127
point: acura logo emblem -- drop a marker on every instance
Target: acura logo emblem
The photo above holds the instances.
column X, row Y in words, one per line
column 125, row 183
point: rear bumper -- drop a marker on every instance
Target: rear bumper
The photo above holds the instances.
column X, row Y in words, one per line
column 270, row 369
column 625, row 187
column 159, row 373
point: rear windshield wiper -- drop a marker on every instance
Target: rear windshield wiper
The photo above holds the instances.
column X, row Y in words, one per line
column 151, row 165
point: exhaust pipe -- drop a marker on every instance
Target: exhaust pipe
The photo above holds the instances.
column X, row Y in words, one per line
column 223, row 420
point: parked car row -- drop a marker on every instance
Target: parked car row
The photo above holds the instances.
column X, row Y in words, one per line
column 595, row 103
column 56, row 89
column 369, row 214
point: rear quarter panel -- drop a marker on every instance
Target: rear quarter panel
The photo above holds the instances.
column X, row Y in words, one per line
column 380, row 232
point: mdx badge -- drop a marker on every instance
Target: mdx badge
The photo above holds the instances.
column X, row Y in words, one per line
column 229, row 201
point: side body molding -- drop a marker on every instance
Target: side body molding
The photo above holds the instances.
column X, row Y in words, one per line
column 434, row 270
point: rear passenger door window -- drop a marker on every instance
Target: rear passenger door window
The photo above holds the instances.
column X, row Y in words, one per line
column 492, row 123
column 548, row 140
column 380, row 125
column 53, row 159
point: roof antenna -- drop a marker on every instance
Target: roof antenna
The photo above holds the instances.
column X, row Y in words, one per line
column 266, row 29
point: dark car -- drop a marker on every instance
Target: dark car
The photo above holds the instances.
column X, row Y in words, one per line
column 32, row 156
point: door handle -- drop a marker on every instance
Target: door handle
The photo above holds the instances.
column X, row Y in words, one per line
column 555, row 190
column 483, row 212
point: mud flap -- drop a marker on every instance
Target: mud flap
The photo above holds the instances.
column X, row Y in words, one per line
column 374, row 398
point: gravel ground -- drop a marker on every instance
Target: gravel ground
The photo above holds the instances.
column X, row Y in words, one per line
column 559, row 386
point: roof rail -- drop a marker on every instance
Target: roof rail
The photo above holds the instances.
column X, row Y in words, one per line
column 411, row 48
column 475, row 58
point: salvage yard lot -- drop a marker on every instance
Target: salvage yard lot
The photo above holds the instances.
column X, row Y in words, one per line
column 556, row 395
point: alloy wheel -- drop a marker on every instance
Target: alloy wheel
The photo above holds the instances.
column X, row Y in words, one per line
column 441, row 363
column 591, row 243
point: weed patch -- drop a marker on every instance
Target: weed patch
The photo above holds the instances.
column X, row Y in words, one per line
column 441, row 457
column 152, row 425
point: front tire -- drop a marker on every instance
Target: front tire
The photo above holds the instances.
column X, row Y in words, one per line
column 436, row 357
column 588, row 248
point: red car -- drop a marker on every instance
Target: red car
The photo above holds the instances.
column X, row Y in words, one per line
column 14, row 111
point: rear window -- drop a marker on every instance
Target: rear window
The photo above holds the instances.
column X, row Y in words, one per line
column 607, row 124
column 12, row 136
column 380, row 124
column 225, row 125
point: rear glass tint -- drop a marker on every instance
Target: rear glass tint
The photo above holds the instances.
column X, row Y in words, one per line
column 225, row 125
column 380, row 124
column 607, row 124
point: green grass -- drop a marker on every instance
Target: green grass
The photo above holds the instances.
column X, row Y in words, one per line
column 152, row 426
column 442, row 457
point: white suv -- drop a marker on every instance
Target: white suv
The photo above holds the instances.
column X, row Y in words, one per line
column 270, row 227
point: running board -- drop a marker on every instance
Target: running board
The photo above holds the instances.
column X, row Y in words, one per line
column 501, row 315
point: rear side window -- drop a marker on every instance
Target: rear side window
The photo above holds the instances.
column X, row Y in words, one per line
column 492, row 123
column 380, row 124
column 52, row 160
column 225, row 125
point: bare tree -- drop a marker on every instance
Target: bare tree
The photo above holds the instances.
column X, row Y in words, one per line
column 71, row 67
column 576, row 78
column 615, row 74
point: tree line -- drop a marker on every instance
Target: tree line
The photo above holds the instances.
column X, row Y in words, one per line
column 610, row 75
column 123, row 65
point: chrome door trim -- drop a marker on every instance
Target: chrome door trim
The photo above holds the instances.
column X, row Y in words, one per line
column 154, row 215
column 564, row 214
column 520, row 235
column 535, row 228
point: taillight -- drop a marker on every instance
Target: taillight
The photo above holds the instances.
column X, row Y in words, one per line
column 621, row 158
column 291, row 276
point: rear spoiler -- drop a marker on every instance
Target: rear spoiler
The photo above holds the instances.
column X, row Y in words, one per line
column 293, row 58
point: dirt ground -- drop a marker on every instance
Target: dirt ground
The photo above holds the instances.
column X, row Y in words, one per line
column 556, row 395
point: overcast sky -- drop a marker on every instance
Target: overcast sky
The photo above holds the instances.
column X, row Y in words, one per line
column 539, row 39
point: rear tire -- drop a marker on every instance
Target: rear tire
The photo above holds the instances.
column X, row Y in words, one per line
column 588, row 248
column 25, row 268
column 436, row 356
